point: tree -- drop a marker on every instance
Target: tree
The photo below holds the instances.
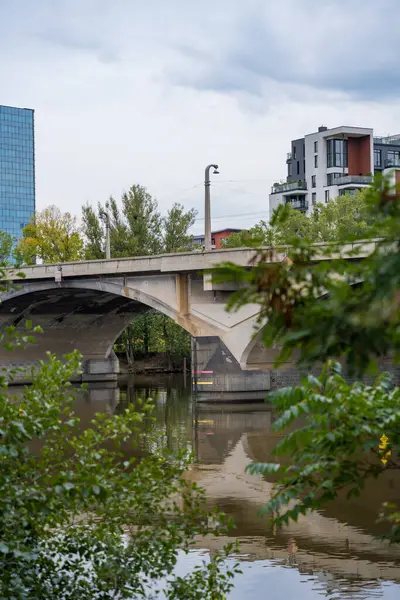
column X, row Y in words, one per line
column 6, row 244
column 136, row 228
column 176, row 227
column 143, row 220
column 51, row 236
column 332, row 309
column 94, row 234
column 344, row 216
column 79, row 521
column 154, row 333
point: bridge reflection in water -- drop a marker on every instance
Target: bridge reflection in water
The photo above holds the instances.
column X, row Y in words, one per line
column 330, row 552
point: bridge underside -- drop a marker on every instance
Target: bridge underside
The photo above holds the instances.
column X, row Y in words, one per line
column 71, row 319
column 227, row 365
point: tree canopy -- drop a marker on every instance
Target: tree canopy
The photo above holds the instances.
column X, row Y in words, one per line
column 330, row 310
column 137, row 227
column 51, row 236
column 344, row 216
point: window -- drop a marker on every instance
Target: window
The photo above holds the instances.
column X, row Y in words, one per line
column 315, row 147
column 377, row 158
column 313, row 181
column 330, row 178
column 314, row 198
column 294, row 151
column 326, row 195
column 289, row 169
column 298, row 167
column 393, row 158
column 316, row 161
column 304, row 167
column 337, row 153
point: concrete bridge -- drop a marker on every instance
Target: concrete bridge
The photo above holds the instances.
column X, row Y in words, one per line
column 86, row 305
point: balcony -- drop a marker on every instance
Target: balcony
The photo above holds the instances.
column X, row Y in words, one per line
column 288, row 157
column 348, row 180
column 392, row 162
column 287, row 188
column 391, row 140
column 298, row 204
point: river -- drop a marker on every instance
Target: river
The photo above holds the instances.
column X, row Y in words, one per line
column 330, row 553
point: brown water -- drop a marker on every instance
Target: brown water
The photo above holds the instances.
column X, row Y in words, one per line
column 330, row 554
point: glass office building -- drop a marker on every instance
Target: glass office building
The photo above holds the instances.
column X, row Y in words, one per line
column 17, row 169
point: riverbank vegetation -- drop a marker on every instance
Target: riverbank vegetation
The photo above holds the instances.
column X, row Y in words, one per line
column 77, row 518
column 154, row 335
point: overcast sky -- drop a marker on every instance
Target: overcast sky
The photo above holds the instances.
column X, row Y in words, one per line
column 149, row 92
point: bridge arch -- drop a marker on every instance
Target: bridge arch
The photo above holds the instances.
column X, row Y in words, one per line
column 88, row 315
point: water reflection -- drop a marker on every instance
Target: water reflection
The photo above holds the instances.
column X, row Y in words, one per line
column 326, row 554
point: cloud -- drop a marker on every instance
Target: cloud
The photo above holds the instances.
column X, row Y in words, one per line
column 314, row 44
column 71, row 40
column 130, row 92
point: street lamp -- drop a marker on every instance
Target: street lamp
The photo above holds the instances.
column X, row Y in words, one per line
column 207, row 206
column 105, row 217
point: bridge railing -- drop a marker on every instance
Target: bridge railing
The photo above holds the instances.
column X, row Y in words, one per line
column 181, row 262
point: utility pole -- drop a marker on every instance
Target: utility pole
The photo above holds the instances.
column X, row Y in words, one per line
column 105, row 217
column 207, row 207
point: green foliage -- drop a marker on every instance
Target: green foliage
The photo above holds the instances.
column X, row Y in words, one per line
column 324, row 302
column 176, row 226
column 337, row 446
column 51, row 236
column 94, row 234
column 77, row 520
column 137, row 228
column 152, row 332
column 341, row 218
column 6, row 244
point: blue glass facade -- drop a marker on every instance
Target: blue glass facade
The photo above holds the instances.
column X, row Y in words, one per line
column 17, row 169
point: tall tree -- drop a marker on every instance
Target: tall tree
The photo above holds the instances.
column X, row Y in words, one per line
column 6, row 244
column 143, row 221
column 176, row 227
column 94, row 234
column 51, row 236
column 136, row 227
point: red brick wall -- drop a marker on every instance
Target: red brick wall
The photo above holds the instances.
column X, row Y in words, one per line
column 359, row 151
column 218, row 237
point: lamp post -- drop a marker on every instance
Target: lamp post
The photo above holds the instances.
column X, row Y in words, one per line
column 207, row 206
column 105, row 217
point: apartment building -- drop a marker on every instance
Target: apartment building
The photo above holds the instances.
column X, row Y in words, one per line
column 333, row 162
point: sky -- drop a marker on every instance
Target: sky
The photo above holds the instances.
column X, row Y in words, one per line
column 127, row 91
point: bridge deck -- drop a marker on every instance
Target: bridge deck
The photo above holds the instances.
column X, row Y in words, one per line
column 181, row 262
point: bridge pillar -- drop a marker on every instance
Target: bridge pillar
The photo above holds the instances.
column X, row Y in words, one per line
column 218, row 377
column 101, row 369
